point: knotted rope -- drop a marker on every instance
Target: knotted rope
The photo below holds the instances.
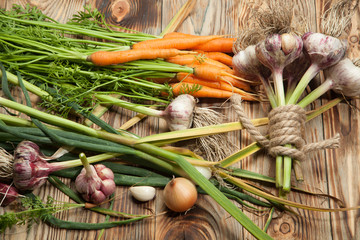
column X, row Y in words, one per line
column 286, row 127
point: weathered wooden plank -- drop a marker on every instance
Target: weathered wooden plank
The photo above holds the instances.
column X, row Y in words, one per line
column 133, row 14
column 60, row 10
column 342, row 164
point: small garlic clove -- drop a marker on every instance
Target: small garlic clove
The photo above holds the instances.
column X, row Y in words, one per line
column 288, row 43
column 142, row 193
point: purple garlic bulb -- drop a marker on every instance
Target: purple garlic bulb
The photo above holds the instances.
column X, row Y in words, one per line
column 179, row 114
column 277, row 51
column 323, row 50
column 95, row 183
column 345, row 77
column 8, row 194
column 30, row 166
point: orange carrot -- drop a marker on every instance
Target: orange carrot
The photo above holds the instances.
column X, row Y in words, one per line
column 193, row 60
column 217, row 45
column 190, row 78
column 218, row 56
column 205, row 92
column 177, row 35
column 178, row 43
column 104, row 58
column 214, row 73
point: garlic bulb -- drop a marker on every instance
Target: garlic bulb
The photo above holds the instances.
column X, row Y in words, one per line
column 246, row 64
column 278, row 51
column 323, row 50
column 94, row 183
column 345, row 77
column 179, row 113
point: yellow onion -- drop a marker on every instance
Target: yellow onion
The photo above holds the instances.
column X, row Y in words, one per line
column 180, row 194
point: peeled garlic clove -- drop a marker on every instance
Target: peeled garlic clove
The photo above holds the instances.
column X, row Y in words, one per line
column 142, row 193
column 205, row 171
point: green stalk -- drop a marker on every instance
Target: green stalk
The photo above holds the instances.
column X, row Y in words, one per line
column 240, row 183
column 85, row 161
column 269, row 91
column 106, row 99
column 279, row 161
column 192, row 172
column 316, row 93
column 69, row 28
column 175, row 136
column 282, row 162
column 238, row 156
column 52, row 51
column 287, row 172
column 279, row 87
column 154, row 65
column 304, row 81
column 270, row 218
column 30, row 87
column 49, row 118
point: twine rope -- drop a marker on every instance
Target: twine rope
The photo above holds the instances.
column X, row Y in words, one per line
column 286, row 127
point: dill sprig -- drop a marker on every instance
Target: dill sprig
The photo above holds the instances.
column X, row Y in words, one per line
column 33, row 211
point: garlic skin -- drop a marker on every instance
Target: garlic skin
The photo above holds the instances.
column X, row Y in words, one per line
column 95, row 183
column 345, row 77
column 142, row 193
column 179, row 114
column 323, row 50
column 8, row 194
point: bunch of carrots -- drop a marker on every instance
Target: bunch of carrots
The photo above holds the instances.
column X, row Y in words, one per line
column 208, row 56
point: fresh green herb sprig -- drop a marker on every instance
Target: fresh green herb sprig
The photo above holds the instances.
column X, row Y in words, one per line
column 39, row 48
column 34, row 210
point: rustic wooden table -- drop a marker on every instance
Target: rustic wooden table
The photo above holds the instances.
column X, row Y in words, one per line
column 334, row 172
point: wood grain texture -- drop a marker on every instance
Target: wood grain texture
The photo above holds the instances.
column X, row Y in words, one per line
column 334, row 172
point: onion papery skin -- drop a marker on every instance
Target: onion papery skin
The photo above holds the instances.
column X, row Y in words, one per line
column 180, row 194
